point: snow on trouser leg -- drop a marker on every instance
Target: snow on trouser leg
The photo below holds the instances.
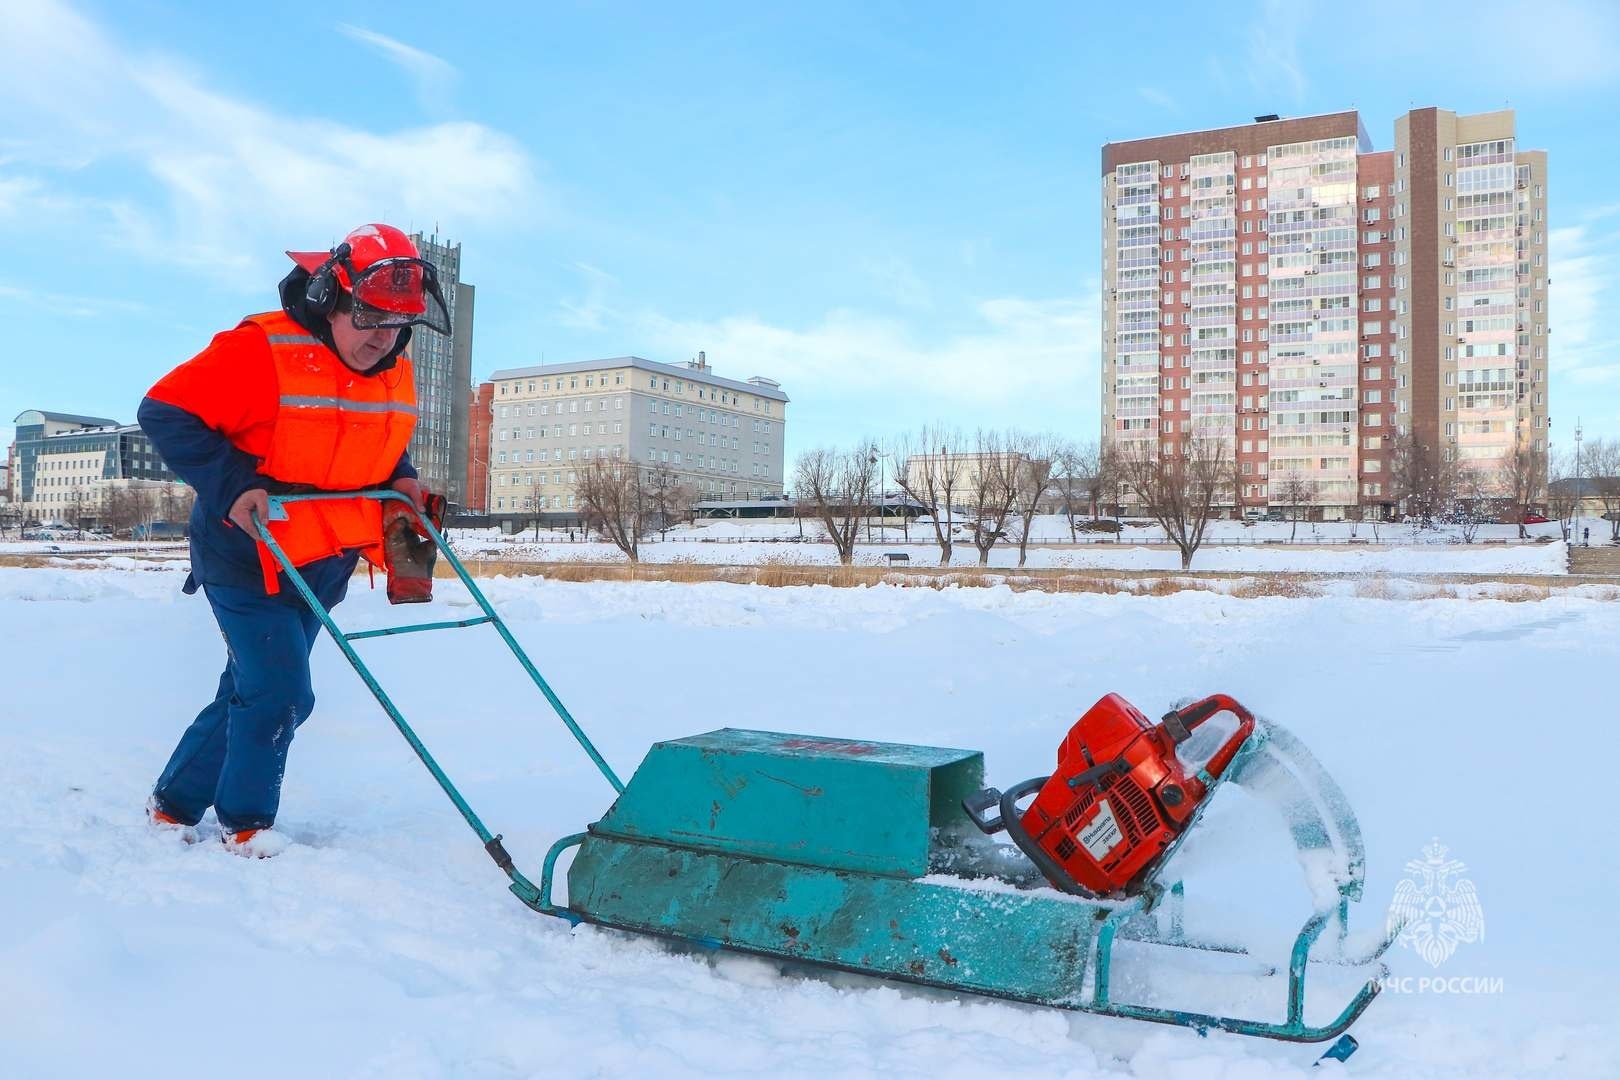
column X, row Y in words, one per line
column 270, row 638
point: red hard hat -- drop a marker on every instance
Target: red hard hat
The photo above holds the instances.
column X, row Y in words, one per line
column 367, row 244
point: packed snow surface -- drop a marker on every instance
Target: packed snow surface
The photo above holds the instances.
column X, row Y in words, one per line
column 383, row 943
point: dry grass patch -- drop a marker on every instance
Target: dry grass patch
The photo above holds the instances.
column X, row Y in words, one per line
column 1292, row 588
column 1433, row 592
column 781, row 571
column 1375, row 589
column 1521, row 594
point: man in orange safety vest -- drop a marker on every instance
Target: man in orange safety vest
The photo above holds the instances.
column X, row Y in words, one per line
column 318, row 396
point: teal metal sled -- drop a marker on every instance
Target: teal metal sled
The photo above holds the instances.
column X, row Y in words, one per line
column 859, row 856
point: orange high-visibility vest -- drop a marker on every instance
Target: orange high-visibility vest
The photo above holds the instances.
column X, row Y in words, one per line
column 335, row 430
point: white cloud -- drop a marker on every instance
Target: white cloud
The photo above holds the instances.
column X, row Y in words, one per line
column 1562, row 43
column 1274, row 65
column 432, row 75
column 895, row 280
column 589, row 312
column 1584, row 351
column 1009, row 361
column 1583, row 276
column 78, row 307
column 216, row 182
column 1159, row 98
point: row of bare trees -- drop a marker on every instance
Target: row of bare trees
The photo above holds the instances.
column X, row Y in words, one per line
column 624, row 502
column 127, row 510
column 134, row 510
column 989, row 487
column 1595, row 474
column 986, row 488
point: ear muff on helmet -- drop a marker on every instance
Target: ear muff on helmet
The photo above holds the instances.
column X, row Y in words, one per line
column 322, row 292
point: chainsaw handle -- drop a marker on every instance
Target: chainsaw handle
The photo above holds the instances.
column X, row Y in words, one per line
column 1181, row 723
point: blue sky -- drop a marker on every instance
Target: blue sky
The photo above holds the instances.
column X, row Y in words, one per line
column 889, row 207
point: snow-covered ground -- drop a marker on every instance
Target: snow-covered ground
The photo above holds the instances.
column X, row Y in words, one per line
column 1258, row 547
column 1231, row 546
column 383, row 943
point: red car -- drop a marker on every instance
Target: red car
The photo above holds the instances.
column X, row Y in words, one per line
column 1533, row 518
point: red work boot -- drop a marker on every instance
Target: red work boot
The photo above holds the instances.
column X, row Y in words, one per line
column 166, row 822
column 254, row 843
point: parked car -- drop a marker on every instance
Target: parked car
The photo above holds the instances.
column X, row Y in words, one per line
column 1275, row 515
column 1533, row 518
column 1253, row 513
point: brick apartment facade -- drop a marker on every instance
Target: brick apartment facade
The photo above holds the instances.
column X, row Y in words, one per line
column 1282, row 286
column 480, row 417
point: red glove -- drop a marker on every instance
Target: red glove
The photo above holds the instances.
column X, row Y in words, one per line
column 408, row 554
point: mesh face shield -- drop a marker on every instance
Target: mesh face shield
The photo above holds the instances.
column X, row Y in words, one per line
column 400, row 292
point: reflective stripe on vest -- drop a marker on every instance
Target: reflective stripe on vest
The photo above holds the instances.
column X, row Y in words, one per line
column 297, row 401
column 335, row 430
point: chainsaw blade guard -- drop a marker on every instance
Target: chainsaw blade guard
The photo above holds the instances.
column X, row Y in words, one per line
column 1276, row 768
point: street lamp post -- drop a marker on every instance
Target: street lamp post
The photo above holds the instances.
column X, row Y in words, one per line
column 883, row 506
column 1575, row 528
column 874, row 458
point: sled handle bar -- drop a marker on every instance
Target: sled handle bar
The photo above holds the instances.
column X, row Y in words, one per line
column 520, row 885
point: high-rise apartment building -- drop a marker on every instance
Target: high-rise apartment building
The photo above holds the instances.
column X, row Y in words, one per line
column 443, row 367
column 1284, row 288
column 722, row 438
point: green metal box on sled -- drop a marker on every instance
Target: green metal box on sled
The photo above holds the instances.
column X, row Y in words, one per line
column 858, row 855
column 812, row 849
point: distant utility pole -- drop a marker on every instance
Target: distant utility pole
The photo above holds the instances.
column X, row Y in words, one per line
column 1575, row 530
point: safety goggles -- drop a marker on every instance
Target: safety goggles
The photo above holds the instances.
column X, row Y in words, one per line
column 398, row 292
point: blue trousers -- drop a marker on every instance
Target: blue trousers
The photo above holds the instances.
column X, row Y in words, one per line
column 234, row 754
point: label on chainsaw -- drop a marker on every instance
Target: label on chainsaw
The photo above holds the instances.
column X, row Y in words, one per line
column 1101, row 834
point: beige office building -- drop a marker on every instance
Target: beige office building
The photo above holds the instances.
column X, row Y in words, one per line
column 722, row 438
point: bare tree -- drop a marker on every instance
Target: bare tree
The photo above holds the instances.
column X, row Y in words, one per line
column 1473, row 500
column 614, row 502
column 128, row 509
column 669, row 499
column 535, row 503
column 1562, row 495
column 1295, row 492
column 1034, row 459
column 1522, row 478
column 81, row 510
column 1601, row 462
column 121, row 511
column 1181, row 491
column 930, row 467
column 992, row 489
column 171, row 505
column 1423, row 478
column 835, row 487
column 1084, row 470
